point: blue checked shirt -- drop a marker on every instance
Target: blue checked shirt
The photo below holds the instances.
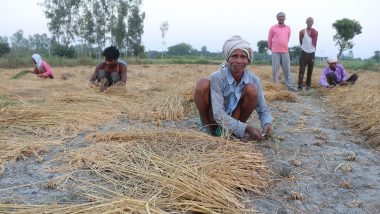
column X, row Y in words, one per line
column 225, row 96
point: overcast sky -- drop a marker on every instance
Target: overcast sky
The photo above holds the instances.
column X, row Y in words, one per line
column 210, row 22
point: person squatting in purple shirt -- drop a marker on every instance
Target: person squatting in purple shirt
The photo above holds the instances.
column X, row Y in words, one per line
column 334, row 75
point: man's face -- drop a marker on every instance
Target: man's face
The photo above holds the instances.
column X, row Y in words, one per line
column 309, row 22
column 332, row 66
column 237, row 62
column 111, row 62
column 281, row 19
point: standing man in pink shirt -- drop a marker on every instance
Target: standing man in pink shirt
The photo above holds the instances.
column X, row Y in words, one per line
column 308, row 41
column 278, row 39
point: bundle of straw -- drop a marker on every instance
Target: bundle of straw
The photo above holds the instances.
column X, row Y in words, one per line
column 166, row 171
column 360, row 107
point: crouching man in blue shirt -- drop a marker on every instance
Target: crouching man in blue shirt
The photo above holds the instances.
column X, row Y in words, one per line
column 228, row 98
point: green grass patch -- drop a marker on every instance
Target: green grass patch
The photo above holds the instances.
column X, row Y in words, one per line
column 361, row 65
column 6, row 102
column 20, row 74
column 37, row 101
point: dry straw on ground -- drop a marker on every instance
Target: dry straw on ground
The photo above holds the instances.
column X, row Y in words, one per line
column 63, row 108
column 151, row 171
column 146, row 171
column 275, row 92
column 359, row 106
column 162, row 171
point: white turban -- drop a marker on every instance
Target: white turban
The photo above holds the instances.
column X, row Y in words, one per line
column 234, row 43
column 38, row 60
column 332, row 60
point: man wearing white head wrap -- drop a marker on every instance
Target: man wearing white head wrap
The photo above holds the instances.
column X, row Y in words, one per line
column 332, row 60
column 278, row 39
column 42, row 68
column 228, row 98
column 334, row 75
column 236, row 42
column 37, row 59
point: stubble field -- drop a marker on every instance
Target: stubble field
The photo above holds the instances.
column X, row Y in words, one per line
column 65, row 147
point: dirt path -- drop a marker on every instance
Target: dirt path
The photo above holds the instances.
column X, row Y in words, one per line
column 319, row 165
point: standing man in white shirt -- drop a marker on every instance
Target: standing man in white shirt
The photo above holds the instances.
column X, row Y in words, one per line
column 308, row 40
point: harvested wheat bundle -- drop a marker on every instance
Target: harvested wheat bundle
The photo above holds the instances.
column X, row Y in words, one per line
column 118, row 89
column 17, row 149
column 93, row 99
column 120, row 205
column 67, row 76
column 270, row 86
column 133, row 135
column 63, row 115
column 275, row 92
column 174, row 171
column 271, row 96
column 56, row 108
column 45, row 123
column 172, row 108
column 164, row 106
column 188, row 94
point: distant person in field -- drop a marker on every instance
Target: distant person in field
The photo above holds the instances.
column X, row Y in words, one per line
column 308, row 40
column 227, row 99
column 42, row 68
column 278, row 39
column 334, row 75
column 110, row 72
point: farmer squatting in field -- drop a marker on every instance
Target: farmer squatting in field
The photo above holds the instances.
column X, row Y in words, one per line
column 111, row 71
column 42, row 68
column 228, row 98
column 334, row 75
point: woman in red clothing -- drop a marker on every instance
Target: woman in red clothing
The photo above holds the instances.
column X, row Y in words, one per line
column 42, row 69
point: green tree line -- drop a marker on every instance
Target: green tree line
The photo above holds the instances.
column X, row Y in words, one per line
column 88, row 37
column 96, row 23
column 93, row 24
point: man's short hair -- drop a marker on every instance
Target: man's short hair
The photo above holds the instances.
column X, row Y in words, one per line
column 310, row 18
column 280, row 14
column 111, row 53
